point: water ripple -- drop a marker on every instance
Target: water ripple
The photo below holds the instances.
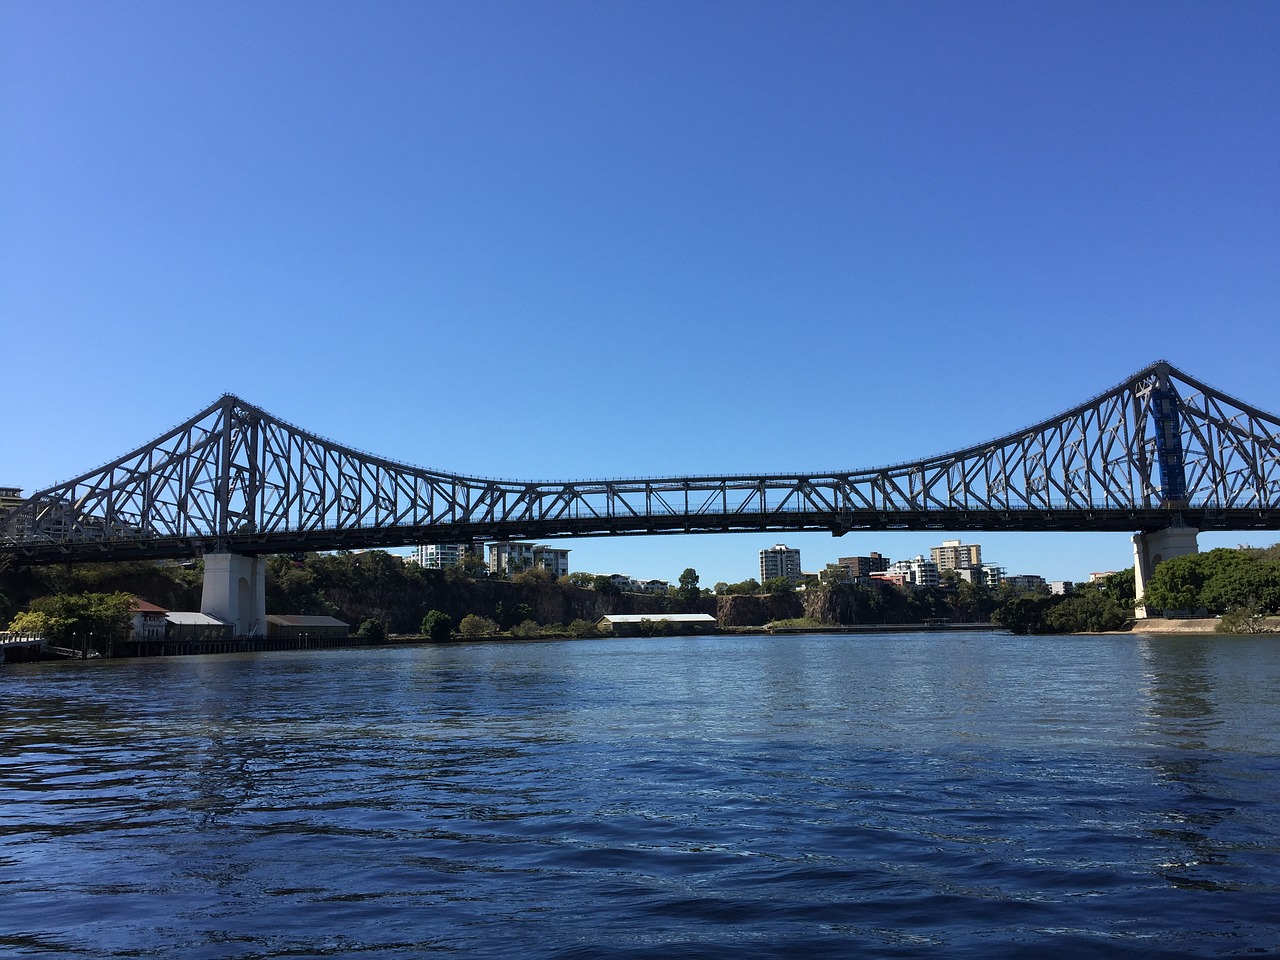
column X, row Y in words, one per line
column 896, row 796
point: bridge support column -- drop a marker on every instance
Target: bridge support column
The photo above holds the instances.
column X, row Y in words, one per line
column 1149, row 549
column 235, row 590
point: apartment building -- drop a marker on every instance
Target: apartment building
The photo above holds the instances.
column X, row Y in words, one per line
column 918, row 571
column 780, row 561
column 862, row 567
column 510, row 557
column 437, row 556
column 954, row 555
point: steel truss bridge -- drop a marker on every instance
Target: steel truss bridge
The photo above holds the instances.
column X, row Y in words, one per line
column 1159, row 450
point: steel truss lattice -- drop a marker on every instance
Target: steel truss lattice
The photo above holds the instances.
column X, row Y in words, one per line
column 1159, row 450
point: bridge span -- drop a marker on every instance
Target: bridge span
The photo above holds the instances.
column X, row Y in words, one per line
column 1161, row 455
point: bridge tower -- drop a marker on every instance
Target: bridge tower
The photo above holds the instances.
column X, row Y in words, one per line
column 1176, row 540
column 235, row 590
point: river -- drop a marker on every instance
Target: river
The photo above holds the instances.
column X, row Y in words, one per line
column 907, row 795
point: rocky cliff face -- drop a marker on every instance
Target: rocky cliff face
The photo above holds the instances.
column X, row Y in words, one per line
column 832, row 606
column 756, row 611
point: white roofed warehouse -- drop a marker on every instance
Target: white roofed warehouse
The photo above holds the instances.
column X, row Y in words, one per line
column 657, row 624
column 306, row 627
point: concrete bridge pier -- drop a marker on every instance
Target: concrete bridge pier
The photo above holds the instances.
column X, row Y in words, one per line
column 235, row 590
column 1150, row 549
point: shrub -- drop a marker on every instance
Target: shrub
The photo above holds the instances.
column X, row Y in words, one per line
column 534, row 575
column 476, row 626
column 437, row 625
column 1243, row 620
column 373, row 630
column 581, row 629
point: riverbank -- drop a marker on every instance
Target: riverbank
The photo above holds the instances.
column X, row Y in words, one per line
column 1194, row 625
column 1165, row 625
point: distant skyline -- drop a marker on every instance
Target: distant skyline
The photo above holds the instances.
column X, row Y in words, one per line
column 572, row 240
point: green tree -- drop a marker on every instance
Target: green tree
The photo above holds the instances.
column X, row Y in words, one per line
column 1119, row 586
column 1026, row 613
column 972, row 602
column 581, row 629
column 472, row 565
column 778, row 586
column 1090, row 611
column 437, row 626
column 534, row 576
column 579, row 579
column 293, row 587
column 373, row 630
column 33, row 623
column 105, row 616
column 473, row 626
column 605, row 587
column 687, row 593
column 1237, row 580
column 749, row 587
column 525, row 630
column 1242, row 620
column 1215, row 581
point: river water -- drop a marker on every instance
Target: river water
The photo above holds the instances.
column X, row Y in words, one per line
column 911, row 795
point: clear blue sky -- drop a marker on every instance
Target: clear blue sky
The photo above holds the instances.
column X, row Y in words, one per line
column 593, row 239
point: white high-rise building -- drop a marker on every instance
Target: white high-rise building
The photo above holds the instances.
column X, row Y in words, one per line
column 919, row 571
column 437, row 556
column 511, row 557
column 780, row 561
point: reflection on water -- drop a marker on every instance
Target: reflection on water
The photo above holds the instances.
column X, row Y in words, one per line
column 970, row 795
column 1184, row 718
column 1180, row 690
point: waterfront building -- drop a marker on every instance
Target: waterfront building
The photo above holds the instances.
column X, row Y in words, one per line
column 623, row 582
column 148, row 620
column 555, row 560
column 924, row 572
column 780, row 561
column 507, row 558
column 638, row 624
column 1060, row 588
column 10, row 497
column 437, row 556
column 306, row 627
column 897, row 579
column 918, row 571
column 987, row 575
column 189, row 625
column 954, row 555
column 1026, row 581
column 862, row 567
column 627, row 584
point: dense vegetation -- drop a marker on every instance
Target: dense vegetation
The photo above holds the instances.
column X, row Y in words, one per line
column 1092, row 608
column 1218, row 582
column 64, row 618
column 378, row 594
